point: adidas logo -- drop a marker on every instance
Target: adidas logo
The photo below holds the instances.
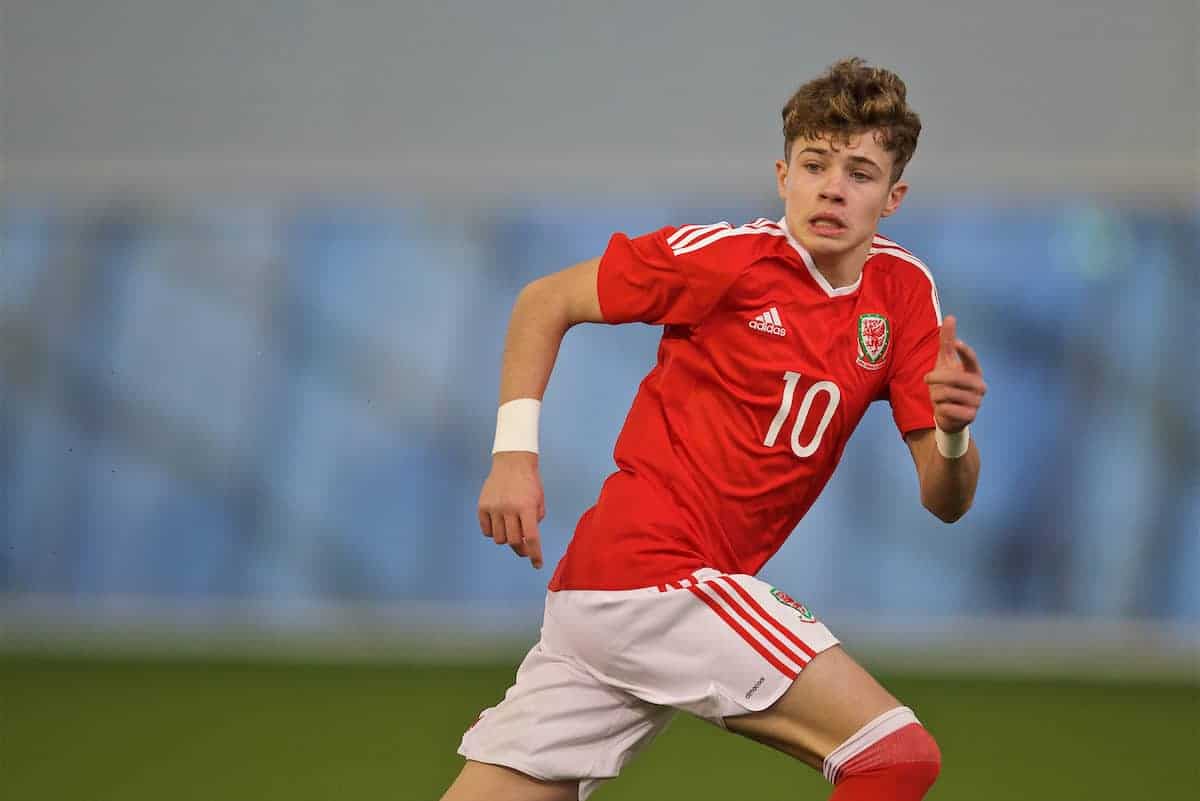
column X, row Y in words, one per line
column 769, row 321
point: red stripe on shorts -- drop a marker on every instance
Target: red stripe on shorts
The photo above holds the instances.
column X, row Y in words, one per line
column 759, row 627
column 755, row 644
column 749, row 599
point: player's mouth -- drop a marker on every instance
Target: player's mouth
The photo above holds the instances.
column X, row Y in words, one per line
column 827, row 224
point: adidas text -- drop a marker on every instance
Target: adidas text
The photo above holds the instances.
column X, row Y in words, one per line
column 770, row 328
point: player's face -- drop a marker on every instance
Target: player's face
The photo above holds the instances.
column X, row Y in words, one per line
column 835, row 193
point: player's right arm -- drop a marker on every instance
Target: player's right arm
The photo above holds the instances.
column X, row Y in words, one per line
column 669, row 276
column 512, row 502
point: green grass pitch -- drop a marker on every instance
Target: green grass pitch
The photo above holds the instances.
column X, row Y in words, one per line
column 130, row 730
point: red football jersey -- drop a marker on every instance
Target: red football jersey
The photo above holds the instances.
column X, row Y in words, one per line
column 763, row 372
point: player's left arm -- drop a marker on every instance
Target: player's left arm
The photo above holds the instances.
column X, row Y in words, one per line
column 956, row 388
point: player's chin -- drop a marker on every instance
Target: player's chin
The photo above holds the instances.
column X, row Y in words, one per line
column 832, row 244
column 828, row 251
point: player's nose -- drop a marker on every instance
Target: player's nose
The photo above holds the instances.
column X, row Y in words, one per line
column 833, row 188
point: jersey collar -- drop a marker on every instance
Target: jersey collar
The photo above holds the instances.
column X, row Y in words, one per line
column 807, row 258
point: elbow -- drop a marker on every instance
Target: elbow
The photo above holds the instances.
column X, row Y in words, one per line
column 948, row 513
column 535, row 292
column 537, row 300
column 542, row 299
column 949, row 516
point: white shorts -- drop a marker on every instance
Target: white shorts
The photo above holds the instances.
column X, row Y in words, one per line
column 612, row 668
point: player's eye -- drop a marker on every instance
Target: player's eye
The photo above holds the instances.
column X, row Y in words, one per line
column 812, row 166
column 860, row 176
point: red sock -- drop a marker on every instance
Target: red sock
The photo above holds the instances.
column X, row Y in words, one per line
column 899, row 766
column 906, row 782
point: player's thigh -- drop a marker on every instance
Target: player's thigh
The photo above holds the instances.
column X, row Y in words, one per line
column 479, row 781
column 831, row 699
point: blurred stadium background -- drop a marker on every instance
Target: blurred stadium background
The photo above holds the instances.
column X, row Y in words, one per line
column 256, row 263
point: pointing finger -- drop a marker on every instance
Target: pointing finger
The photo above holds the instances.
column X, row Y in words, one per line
column 947, row 336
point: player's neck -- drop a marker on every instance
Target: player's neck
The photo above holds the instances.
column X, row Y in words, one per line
column 843, row 269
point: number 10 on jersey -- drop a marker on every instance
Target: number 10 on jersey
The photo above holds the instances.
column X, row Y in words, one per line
column 803, row 450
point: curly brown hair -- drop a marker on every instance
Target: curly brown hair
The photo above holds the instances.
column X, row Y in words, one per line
column 851, row 98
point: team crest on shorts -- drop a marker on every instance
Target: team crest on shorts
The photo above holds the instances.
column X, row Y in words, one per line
column 788, row 600
column 874, row 336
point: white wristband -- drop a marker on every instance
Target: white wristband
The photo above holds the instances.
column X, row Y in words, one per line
column 517, row 425
column 952, row 446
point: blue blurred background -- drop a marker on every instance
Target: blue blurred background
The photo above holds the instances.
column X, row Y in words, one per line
column 256, row 265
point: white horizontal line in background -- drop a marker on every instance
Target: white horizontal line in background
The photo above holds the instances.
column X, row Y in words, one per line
column 997, row 173
column 432, row 632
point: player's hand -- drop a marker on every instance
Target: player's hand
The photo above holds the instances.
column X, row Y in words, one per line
column 956, row 384
column 512, row 504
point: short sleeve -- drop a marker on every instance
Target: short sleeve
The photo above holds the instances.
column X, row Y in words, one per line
column 916, row 349
column 673, row 276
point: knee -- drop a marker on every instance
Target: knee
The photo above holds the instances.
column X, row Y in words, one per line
column 908, row 755
column 916, row 744
column 920, row 756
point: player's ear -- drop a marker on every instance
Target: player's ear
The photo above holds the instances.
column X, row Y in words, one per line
column 895, row 198
column 781, row 175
